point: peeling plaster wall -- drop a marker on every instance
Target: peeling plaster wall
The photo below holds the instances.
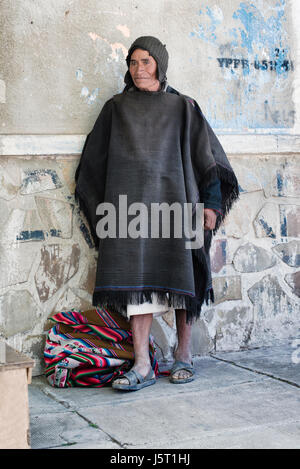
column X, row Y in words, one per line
column 59, row 62
column 63, row 59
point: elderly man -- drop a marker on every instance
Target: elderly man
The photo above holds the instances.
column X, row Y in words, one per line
column 153, row 144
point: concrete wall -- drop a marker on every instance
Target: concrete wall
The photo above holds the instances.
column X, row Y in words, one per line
column 59, row 62
column 62, row 59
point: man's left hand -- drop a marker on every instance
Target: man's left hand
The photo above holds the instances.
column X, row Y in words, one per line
column 210, row 218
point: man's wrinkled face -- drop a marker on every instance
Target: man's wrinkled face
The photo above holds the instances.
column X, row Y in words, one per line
column 143, row 70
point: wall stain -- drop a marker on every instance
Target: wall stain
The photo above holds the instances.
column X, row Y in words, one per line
column 255, row 61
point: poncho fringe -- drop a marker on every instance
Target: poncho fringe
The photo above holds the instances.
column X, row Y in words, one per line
column 192, row 304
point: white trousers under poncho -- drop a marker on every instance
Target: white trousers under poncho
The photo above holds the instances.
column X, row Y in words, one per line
column 148, row 307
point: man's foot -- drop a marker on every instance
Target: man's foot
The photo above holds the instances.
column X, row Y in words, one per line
column 182, row 373
column 134, row 380
column 143, row 370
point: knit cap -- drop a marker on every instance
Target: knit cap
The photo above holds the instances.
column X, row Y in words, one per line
column 156, row 49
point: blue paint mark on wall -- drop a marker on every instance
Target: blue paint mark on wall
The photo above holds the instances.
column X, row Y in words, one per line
column 90, row 97
column 279, row 183
column 37, row 235
column 268, row 229
column 55, row 233
column 283, row 225
column 259, row 30
column 223, row 248
column 254, row 57
column 234, row 35
column 262, row 32
column 208, row 29
column 86, row 235
column 36, row 175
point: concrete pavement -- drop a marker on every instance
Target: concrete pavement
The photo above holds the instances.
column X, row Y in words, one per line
column 247, row 399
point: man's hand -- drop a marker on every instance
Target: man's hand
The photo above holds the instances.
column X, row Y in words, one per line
column 210, row 218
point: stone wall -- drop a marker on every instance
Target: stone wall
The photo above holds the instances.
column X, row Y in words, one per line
column 255, row 262
column 256, row 256
column 47, row 255
column 48, row 260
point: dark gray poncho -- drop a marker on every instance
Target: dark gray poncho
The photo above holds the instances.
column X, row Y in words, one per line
column 153, row 147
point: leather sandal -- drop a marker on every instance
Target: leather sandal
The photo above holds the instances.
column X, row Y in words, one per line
column 136, row 381
column 181, row 366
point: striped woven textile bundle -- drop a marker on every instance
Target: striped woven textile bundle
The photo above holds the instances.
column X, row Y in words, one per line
column 90, row 348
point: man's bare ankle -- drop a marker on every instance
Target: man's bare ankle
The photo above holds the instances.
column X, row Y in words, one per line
column 142, row 367
column 183, row 356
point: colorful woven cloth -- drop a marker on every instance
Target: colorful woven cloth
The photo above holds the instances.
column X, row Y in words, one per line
column 90, row 348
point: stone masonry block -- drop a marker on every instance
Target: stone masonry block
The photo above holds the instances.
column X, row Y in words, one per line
column 69, row 300
column 56, row 216
column 218, row 254
column 293, row 280
column 289, row 253
column 18, row 312
column 39, row 180
column 59, row 263
column 290, row 220
column 269, row 298
column 239, row 221
column 169, row 318
column 251, row 258
column 15, row 264
column 233, row 327
column 287, row 182
column 276, row 315
column 201, row 341
column 22, row 225
column 164, row 338
column 247, row 177
column 227, row 288
column 267, row 221
column 7, row 189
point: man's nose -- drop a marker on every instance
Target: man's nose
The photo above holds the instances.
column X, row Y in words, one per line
column 140, row 66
